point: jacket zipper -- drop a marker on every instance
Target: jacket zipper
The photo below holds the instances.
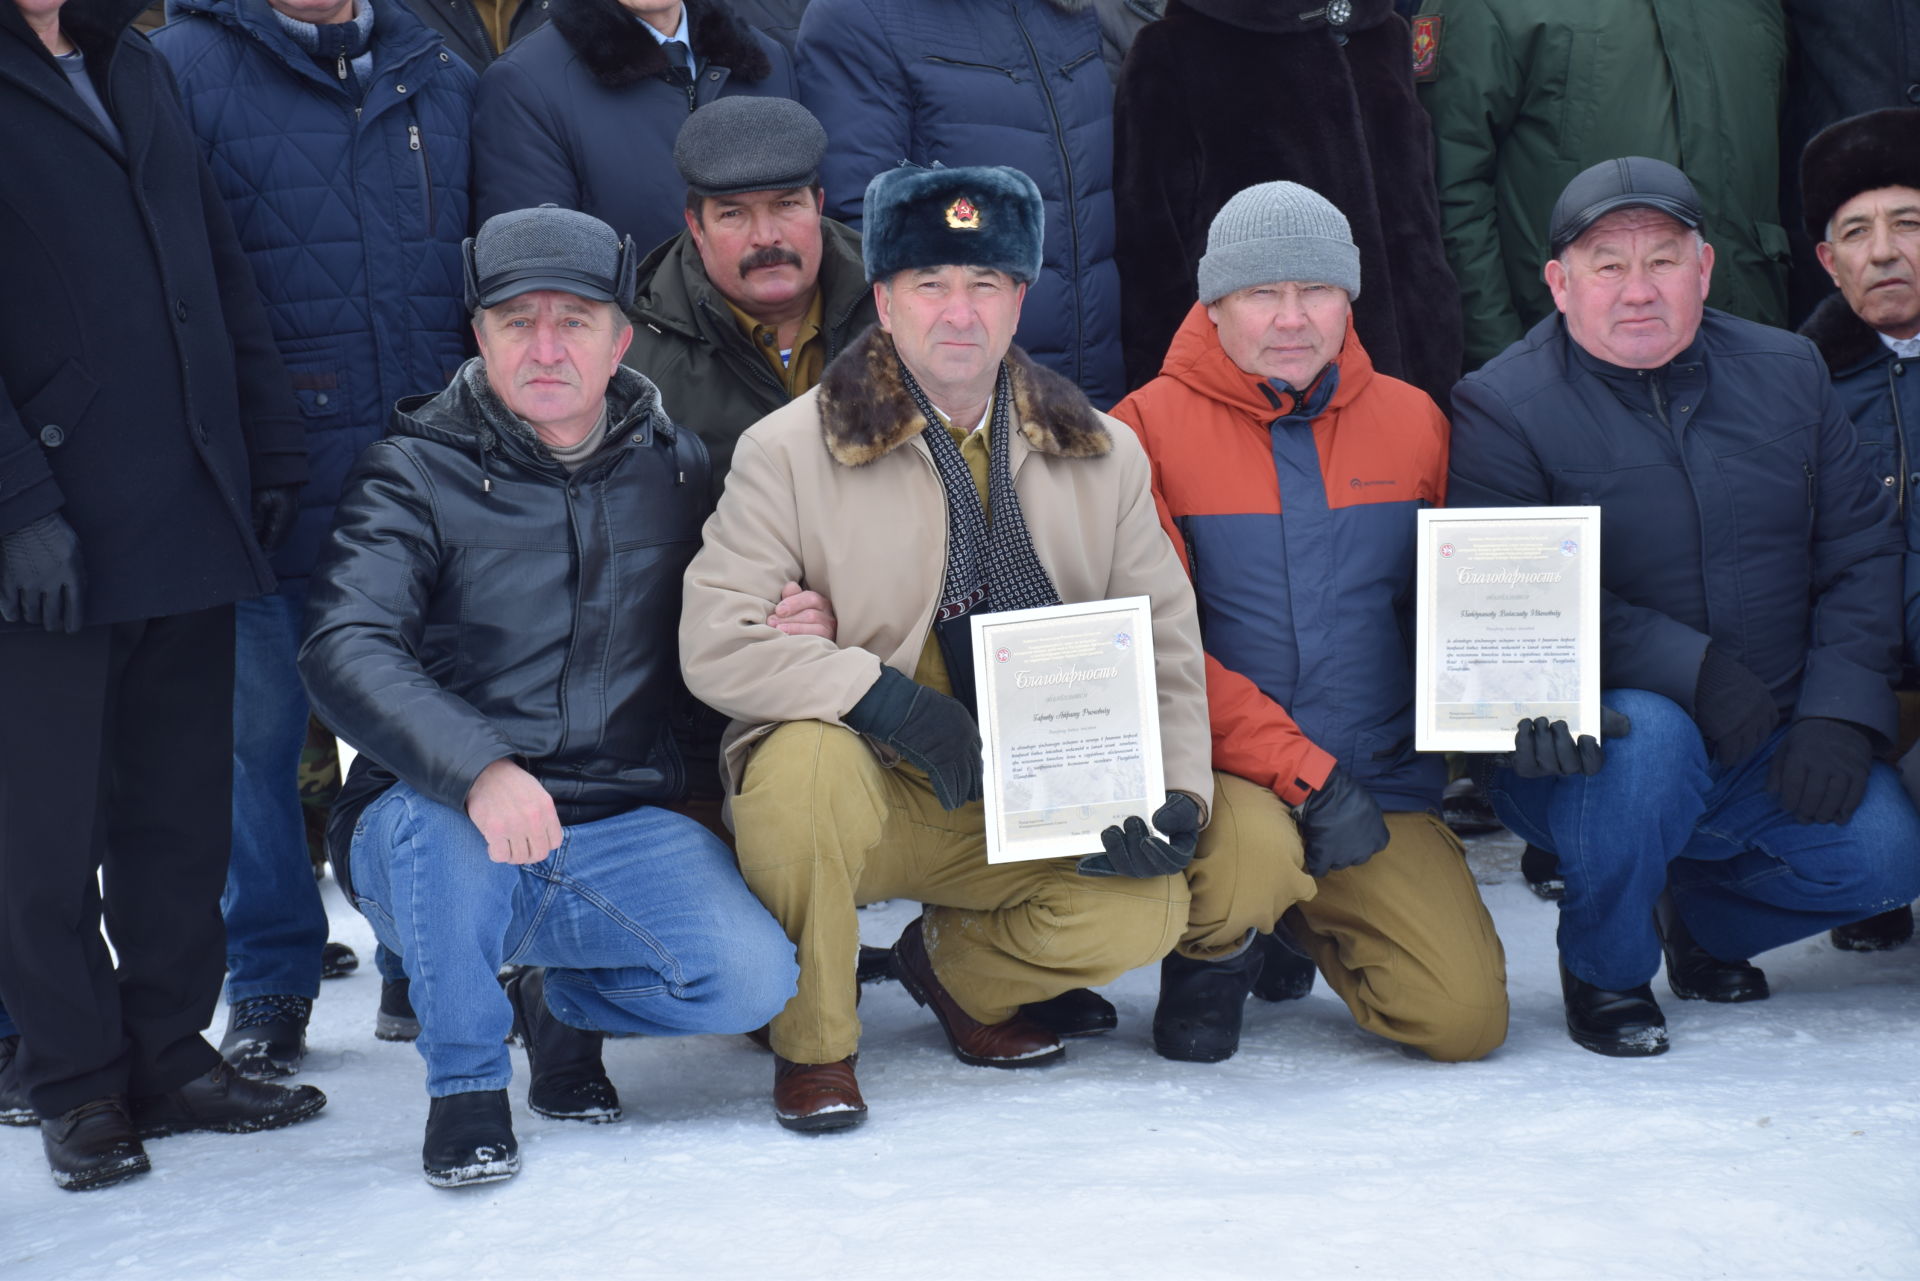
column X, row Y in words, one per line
column 982, row 66
column 1073, row 218
column 340, row 67
column 1901, row 497
column 417, row 143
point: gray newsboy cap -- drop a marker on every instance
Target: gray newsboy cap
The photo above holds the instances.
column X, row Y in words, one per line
column 749, row 144
column 1278, row 231
column 548, row 248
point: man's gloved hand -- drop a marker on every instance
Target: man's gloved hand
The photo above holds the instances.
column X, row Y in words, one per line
column 41, row 576
column 273, row 513
column 1733, row 708
column 1133, row 850
column 1820, row 771
column 1340, row 825
column 1546, row 749
column 929, row 729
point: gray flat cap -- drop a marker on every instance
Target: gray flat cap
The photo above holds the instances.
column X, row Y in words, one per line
column 548, row 248
column 749, row 144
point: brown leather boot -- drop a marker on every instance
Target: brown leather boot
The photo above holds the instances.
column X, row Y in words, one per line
column 815, row 1097
column 1017, row 1042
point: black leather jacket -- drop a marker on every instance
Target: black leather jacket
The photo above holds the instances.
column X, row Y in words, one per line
column 475, row 602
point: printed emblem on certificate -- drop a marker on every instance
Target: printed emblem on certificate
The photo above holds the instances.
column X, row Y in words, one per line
column 1508, row 624
column 1069, row 724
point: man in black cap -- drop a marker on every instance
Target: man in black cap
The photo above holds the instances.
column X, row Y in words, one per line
column 491, row 625
column 1860, row 183
column 1749, row 614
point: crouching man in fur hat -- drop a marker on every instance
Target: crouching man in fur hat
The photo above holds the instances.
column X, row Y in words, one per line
column 935, row 471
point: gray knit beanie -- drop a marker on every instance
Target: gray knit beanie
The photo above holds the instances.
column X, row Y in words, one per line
column 1278, row 231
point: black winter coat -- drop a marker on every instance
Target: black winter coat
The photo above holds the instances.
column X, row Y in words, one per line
column 583, row 113
column 476, row 602
column 459, row 23
column 1206, row 108
column 140, row 392
column 1738, row 508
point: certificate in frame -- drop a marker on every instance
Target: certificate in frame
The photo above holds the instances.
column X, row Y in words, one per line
column 1507, row 624
column 1069, row 725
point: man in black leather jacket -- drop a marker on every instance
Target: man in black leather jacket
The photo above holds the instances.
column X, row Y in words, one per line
column 492, row 626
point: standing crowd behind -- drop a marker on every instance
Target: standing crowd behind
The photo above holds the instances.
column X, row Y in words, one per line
column 607, row 416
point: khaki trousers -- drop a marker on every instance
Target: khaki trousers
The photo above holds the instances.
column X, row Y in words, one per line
column 821, row 827
column 1403, row 938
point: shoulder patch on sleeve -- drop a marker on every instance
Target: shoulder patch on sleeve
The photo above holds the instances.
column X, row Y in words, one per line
column 1426, row 46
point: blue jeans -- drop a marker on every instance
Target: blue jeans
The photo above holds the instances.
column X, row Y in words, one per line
column 1745, row 875
column 641, row 920
column 276, row 924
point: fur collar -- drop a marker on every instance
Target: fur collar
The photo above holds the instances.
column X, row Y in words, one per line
column 616, row 52
column 1843, row 338
column 865, row 412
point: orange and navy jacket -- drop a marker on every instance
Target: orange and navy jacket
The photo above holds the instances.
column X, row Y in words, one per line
column 1294, row 515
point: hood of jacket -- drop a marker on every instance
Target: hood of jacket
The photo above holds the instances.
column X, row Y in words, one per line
column 1843, row 338
column 1197, row 360
column 1275, row 17
column 609, row 41
column 675, row 288
column 467, row 414
column 866, row 413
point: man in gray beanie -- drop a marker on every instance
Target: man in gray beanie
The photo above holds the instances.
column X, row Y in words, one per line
column 491, row 625
column 1288, row 471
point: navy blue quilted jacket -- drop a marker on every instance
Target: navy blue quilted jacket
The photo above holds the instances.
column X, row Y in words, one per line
column 352, row 222
column 985, row 82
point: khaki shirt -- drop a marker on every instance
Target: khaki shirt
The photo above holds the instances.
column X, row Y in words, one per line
column 806, row 358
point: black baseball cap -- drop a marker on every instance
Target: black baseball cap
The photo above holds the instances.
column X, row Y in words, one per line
column 1627, row 183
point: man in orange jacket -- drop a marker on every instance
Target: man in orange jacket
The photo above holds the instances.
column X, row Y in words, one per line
column 1287, row 471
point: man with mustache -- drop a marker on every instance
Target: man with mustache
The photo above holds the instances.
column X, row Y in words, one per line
column 492, row 625
column 1860, row 183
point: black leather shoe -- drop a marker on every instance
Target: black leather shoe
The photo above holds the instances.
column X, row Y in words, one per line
column 1079, row 1012
column 224, row 1102
column 93, row 1146
column 1541, row 871
column 1626, row 1025
column 1695, row 974
column 1286, row 973
column 1201, row 1005
column 266, row 1036
column 14, row 1108
column 566, row 1079
column 469, row 1140
column 395, row 1019
column 1875, row 934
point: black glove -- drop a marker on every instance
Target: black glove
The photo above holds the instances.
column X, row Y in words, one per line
column 273, row 513
column 1733, row 708
column 929, row 729
column 1132, row 850
column 41, row 576
column 1543, row 749
column 1340, row 825
column 1820, row 772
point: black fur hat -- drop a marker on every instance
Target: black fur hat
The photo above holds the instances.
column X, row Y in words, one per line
column 979, row 216
column 1861, row 153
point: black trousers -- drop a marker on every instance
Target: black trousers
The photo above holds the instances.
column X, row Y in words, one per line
column 116, row 782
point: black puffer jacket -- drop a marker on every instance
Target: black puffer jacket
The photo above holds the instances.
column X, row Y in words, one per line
column 476, row 602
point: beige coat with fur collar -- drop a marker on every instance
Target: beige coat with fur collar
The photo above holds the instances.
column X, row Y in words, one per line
column 837, row 491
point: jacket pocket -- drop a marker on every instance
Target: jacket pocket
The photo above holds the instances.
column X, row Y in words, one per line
column 321, row 393
column 417, row 144
column 52, row 413
column 974, row 66
column 1067, row 69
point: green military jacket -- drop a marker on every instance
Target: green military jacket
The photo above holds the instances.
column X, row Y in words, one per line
column 1524, row 94
column 711, row 377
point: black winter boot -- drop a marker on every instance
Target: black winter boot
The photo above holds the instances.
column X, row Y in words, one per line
column 93, row 1146
column 266, row 1036
column 337, row 960
column 1695, row 974
column 566, row 1080
column 1201, row 1005
column 1541, row 871
column 1286, row 973
column 469, row 1140
column 14, row 1108
column 1625, row 1025
column 1079, row 1012
column 395, row 1019
column 1875, row 934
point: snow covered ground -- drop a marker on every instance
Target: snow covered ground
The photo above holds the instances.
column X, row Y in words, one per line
column 1775, row 1140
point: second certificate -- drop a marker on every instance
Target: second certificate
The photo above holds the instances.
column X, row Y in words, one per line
column 1069, row 722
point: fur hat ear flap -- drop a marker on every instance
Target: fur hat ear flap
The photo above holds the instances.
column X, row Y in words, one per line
column 980, row 216
column 1862, row 153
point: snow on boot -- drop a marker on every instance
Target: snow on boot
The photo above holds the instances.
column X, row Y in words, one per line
column 1201, row 1005
column 267, row 1036
column 1541, row 871
column 469, row 1140
column 395, row 1020
column 14, row 1108
column 1880, row 933
column 1286, row 973
column 93, row 1146
column 337, row 960
column 1624, row 1025
column 223, row 1102
column 567, row 1081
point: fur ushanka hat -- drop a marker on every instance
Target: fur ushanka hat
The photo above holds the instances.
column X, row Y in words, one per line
column 1860, row 153
column 977, row 216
